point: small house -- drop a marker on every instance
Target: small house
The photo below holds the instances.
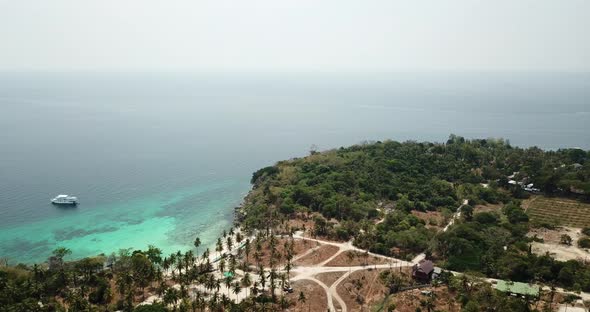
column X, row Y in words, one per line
column 423, row 270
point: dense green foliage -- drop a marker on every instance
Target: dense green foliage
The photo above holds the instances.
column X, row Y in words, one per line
column 346, row 183
column 99, row 283
column 349, row 184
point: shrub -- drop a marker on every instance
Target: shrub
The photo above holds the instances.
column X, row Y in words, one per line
column 565, row 239
column 584, row 242
column 486, row 218
column 586, row 231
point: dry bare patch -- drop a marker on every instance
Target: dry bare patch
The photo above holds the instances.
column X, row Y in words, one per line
column 317, row 256
column 355, row 258
column 316, row 299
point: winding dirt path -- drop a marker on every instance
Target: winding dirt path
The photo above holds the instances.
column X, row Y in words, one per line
column 309, row 272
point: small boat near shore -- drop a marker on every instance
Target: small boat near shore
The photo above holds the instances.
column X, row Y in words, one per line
column 65, row 200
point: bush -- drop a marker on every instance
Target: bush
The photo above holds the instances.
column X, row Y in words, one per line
column 391, row 307
column 150, row 308
column 584, row 242
column 565, row 239
column 486, row 218
column 586, row 231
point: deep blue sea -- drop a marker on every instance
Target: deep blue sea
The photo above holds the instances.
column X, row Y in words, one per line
column 160, row 158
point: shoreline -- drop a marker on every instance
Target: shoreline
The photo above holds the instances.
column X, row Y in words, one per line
column 109, row 234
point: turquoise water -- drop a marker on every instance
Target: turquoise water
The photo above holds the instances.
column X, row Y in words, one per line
column 161, row 158
column 130, row 224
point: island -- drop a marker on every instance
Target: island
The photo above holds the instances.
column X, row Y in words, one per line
column 463, row 225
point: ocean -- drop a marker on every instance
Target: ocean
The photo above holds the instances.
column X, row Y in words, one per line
column 161, row 158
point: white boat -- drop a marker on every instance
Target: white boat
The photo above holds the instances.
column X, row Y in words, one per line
column 65, row 200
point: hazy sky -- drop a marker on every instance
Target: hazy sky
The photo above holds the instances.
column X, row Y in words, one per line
column 295, row 35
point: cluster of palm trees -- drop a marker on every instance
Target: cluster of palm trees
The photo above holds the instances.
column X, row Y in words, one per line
column 199, row 287
column 181, row 281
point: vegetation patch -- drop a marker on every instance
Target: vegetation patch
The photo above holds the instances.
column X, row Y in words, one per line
column 560, row 211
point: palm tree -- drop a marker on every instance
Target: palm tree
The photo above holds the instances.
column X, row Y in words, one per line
column 237, row 289
column 272, row 276
column 222, row 265
column 197, row 243
column 230, row 243
column 194, row 305
column 233, row 264
column 283, row 278
column 247, row 250
column 210, row 282
column 166, row 264
column 219, row 247
column 239, row 237
column 246, row 282
column 227, row 280
column 225, row 301
column 213, row 302
column 179, row 265
column 429, row 304
column 202, row 304
column 171, row 297
column 262, row 277
column 288, row 269
column 284, row 303
column 257, row 257
column 189, row 259
column 301, row 298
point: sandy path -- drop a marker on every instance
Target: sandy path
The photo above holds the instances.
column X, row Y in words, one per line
column 456, row 215
column 308, row 272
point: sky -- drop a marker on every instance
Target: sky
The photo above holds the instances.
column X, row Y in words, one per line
column 295, row 35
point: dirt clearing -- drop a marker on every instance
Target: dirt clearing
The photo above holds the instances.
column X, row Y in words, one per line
column 355, row 258
column 317, row 256
column 552, row 244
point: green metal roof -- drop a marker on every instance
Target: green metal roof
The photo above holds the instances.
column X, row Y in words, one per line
column 517, row 288
column 228, row 274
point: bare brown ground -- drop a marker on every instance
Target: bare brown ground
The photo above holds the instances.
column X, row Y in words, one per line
column 433, row 219
column 329, row 278
column 553, row 246
column 315, row 296
column 317, row 256
column 355, row 258
column 301, row 223
column 362, row 289
column 299, row 247
column 409, row 300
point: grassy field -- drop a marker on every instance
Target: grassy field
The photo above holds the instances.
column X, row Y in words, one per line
column 559, row 211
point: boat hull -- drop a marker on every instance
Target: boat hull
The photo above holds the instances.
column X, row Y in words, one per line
column 64, row 204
